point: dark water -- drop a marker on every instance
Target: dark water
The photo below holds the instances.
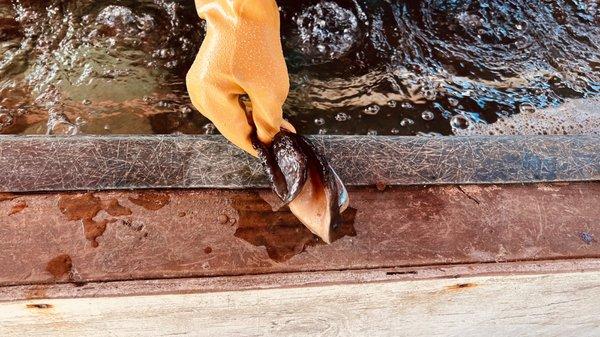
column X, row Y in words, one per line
column 357, row 67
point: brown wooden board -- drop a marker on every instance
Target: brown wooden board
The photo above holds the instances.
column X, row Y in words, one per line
column 44, row 163
column 49, row 238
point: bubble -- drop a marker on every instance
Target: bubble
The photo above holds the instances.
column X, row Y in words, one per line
column 392, row 104
column 322, row 131
column 209, row 129
column 526, row 108
column 406, row 122
column 460, row 122
column 372, row 132
column 319, row 121
column 114, row 16
column 6, row 119
column 326, row 31
column 59, row 124
column 453, row 101
column 163, row 104
column 86, row 102
column 394, row 131
column 342, row 117
column 185, row 110
column 406, row 105
column 79, row 121
column 372, row 110
column 427, row 115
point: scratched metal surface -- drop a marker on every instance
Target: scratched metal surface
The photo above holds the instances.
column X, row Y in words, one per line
column 42, row 163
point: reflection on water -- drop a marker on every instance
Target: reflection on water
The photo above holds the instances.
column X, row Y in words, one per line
column 357, row 66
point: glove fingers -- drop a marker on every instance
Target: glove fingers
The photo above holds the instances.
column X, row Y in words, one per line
column 267, row 115
column 228, row 116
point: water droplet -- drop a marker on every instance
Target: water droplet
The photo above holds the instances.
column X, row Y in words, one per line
column 163, row 104
column 342, row 117
column 372, row 110
column 460, row 122
column 6, row 119
column 526, row 108
column 406, row 122
column 392, row 104
column 319, row 121
column 427, row 115
column 185, row 110
column 80, row 121
column 209, row 128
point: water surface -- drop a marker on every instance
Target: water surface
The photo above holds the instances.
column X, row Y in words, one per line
column 432, row 67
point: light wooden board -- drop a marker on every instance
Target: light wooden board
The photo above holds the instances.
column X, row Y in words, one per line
column 520, row 305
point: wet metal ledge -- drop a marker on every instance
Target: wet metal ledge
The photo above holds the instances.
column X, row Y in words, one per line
column 47, row 163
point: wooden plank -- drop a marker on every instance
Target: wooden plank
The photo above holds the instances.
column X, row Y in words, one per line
column 289, row 280
column 42, row 163
column 201, row 233
column 519, row 305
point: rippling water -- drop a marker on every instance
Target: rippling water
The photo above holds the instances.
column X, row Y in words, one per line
column 357, row 67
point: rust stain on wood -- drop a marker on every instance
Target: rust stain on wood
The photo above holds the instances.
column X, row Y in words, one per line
column 461, row 286
column 7, row 196
column 18, row 208
column 39, row 306
column 151, row 200
column 36, row 292
column 59, row 266
column 85, row 207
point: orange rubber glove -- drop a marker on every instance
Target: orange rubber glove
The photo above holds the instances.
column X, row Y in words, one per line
column 241, row 54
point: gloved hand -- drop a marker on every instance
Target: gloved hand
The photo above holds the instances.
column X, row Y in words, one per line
column 241, row 54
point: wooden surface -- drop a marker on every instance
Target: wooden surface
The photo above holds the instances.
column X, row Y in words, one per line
column 173, row 234
column 44, row 163
column 519, row 260
column 191, row 285
column 519, row 305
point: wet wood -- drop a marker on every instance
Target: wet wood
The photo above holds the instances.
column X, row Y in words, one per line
column 42, row 163
column 214, row 233
column 523, row 305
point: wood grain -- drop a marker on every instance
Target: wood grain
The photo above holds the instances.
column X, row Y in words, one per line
column 519, row 305
column 208, row 233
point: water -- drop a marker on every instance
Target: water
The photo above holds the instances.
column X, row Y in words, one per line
column 357, row 67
